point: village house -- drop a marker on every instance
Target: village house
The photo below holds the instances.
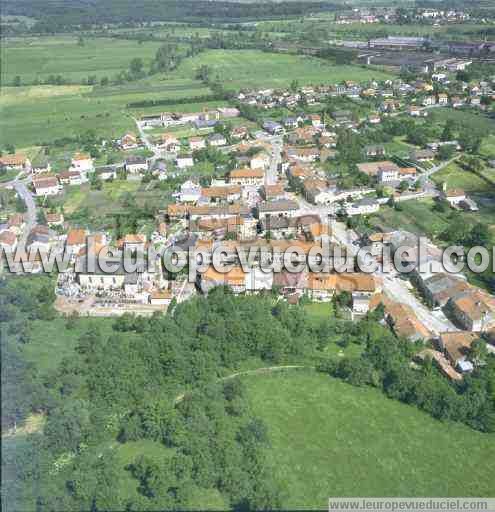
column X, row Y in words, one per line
column 75, row 241
column 416, row 111
column 239, row 132
column 196, row 143
column 169, row 142
column 273, row 127
column 290, row 122
column 375, row 169
column 234, row 278
column 16, row 162
column 70, row 178
column 374, row 150
column 8, row 240
column 16, row 223
column 316, row 121
column 40, row 165
column 365, row 206
column 408, row 173
column 318, row 191
column 454, row 196
column 388, row 174
column 456, row 346
column 269, row 192
column 221, row 194
column 135, row 164
column 473, row 310
column 260, row 161
column 228, row 112
column 247, row 176
column 128, row 141
column 54, row 219
column 290, row 284
column 132, row 243
column 440, row 361
column 278, row 227
column 46, row 185
column 303, row 154
column 190, row 192
column 216, row 140
column 106, row 173
column 438, row 287
column 280, row 208
column 443, row 99
column 422, row 155
column 184, row 161
column 303, row 135
column 374, row 119
column 82, row 163
column 39, row 239
column 161, row 297
column 402, row 319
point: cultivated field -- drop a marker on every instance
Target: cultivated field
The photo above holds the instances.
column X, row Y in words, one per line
column 250, row 68
column 37, row 114
column 40, row 57
column 331, row 439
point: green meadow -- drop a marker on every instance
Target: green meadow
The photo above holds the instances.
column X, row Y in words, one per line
column 253, row 68
column 329, row 438
column 37, row 114
column 32, row 115
column 40, row 57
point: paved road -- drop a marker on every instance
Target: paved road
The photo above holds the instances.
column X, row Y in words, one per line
column 157, row 153
column 30, row 217
column 272, row 171
column 19, row 185
column 394, row 287
column 398, row 290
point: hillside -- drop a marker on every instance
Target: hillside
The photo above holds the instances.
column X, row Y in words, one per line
column 332, row 439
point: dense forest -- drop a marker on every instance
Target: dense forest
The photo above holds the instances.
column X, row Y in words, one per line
column 162, row 379
column 61, row 15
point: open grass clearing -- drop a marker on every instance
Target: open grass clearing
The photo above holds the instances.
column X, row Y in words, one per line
column 332, row 439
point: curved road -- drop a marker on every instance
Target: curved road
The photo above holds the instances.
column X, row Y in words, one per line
column 19, row 185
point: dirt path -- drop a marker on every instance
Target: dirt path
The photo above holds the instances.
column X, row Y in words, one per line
column 256, row 371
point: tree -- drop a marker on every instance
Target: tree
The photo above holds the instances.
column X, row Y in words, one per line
column 203, row 73
column 479, row 235
column 448, row 132
column 446, row 152
column 136, row 66
column 478, row 351
column 294, row 85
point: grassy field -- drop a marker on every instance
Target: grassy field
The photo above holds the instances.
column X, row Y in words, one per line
column 96, row 209
column 50, row 341
column 456, row 177
column 40, row 57
column 331, row 439
column 37, row 114
column 467, row 118
column 33, row 115
column 418, row 216
column 250, row 68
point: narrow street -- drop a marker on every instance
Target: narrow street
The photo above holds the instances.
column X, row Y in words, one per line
column 30, row 216
column 276, row 159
